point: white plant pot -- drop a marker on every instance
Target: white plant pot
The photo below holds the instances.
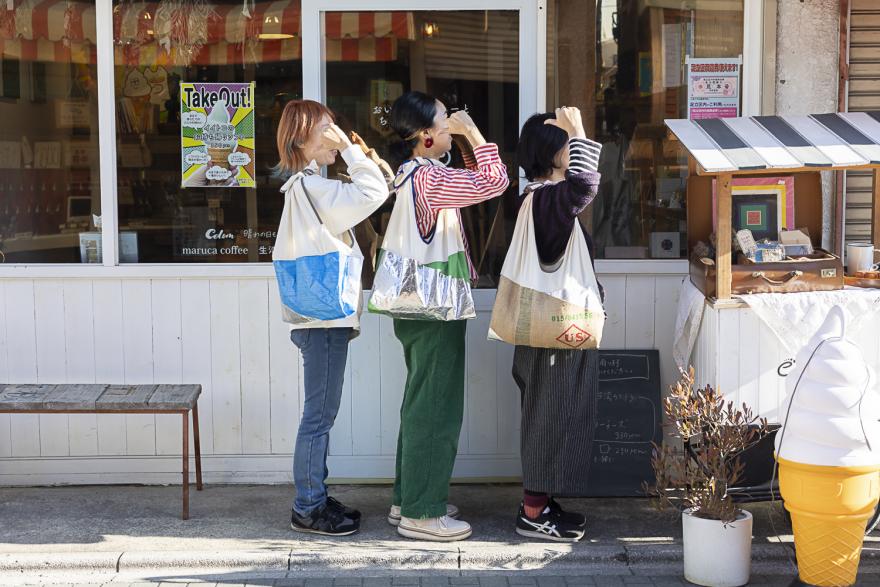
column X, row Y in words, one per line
column 715, row 554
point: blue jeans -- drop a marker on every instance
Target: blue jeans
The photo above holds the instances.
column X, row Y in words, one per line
column 324, row 351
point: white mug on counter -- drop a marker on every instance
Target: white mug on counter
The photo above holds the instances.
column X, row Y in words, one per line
column 860, row 257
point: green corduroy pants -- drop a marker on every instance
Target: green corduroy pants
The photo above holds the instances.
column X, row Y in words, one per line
column 430, row 416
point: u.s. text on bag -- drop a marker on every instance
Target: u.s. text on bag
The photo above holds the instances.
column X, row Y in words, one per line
column 318, row 273
column 421, row 278
column 537, row 306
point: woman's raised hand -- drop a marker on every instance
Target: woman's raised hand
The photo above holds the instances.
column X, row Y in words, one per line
column 568, row 118
column 360, row 142
column 461, row 123
column 334, row 138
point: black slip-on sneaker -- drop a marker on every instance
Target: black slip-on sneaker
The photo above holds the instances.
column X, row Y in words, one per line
column 326, row 521
column 337, row 505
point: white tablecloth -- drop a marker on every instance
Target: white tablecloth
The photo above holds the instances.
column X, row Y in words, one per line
column 795, row 317
column 691, row 304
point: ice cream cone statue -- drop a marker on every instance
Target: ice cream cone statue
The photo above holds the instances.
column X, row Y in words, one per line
column 828, row 451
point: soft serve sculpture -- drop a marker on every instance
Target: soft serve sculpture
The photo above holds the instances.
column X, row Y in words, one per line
column 828, row 452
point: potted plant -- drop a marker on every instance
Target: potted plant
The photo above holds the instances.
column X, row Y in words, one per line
column 694, row 469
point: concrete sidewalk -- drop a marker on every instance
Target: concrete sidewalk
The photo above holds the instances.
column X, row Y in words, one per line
column 137, row 531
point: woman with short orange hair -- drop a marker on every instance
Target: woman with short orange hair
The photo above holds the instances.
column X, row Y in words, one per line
column 308, row 139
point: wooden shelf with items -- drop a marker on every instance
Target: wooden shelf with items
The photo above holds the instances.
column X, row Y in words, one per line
column 786, row 154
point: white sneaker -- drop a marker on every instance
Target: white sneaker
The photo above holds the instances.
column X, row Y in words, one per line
column 394, row 514
column 442, row 529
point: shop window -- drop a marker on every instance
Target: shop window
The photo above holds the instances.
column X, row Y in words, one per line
column 467, row 59
column 170, row 209
column 626, row 84
column 49, row 180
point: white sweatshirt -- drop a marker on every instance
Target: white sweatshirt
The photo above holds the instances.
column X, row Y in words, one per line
column 342, row 206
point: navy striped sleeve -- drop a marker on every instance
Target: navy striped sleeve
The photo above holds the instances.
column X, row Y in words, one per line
column 583, row 155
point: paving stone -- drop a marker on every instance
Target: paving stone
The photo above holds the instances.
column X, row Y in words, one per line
column 377, row 582
column 609, row 580
column 435, row 581
column 406, row 580
column 523, row 580
column 290, row 582
column 464, row 580
column 493, row 581
column 319, row 583
column 348, row 582
column 637, row 580
column 551, row 581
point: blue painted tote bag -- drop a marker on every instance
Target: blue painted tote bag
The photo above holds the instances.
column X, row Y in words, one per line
column 318, row 273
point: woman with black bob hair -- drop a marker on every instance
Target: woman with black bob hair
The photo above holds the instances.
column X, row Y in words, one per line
column 558, row 407
column 433, row 401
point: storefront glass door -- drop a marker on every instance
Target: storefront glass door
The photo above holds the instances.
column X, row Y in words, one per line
column 471, row 59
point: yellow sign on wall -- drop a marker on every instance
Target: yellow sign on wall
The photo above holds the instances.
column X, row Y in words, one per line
column 217, row 134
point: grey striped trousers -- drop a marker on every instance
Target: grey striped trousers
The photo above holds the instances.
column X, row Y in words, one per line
column 559, row 405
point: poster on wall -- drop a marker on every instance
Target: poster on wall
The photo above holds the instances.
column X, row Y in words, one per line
column 217, row 134
column 713, row 87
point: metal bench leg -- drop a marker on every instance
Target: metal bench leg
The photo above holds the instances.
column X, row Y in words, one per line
column 197, row 446
column 185, row 466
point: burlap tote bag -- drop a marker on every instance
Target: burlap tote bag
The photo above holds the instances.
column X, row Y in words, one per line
column 555, row 307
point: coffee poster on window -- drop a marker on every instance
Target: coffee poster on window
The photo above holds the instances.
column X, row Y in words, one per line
column 217, row 134
column 713, row 87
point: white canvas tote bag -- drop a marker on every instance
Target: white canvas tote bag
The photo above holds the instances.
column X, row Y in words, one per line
column 547, row 307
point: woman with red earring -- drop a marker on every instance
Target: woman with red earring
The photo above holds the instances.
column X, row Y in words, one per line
column 433, row 401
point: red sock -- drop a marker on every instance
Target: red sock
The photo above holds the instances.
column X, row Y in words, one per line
column 534, row 503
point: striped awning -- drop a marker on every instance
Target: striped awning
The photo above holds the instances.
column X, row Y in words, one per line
column 50, row 20
column 362, row 50
column 139, row 21
column 829, row 141
column 145, row 33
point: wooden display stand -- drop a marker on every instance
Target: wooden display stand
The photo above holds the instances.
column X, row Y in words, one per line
column 808, row 214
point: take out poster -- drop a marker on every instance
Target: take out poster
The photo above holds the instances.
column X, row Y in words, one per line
column 217, row 134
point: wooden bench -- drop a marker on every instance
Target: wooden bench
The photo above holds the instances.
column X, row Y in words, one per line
column 114, row 399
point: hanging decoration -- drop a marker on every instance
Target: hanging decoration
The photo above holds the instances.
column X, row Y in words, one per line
column 179, row 27
column 7, row 21
column 72, row 22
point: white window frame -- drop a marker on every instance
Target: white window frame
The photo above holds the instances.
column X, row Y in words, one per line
column 532, row 41
column 532, row 70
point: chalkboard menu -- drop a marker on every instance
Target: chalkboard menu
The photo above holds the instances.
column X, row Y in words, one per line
column 628, row 419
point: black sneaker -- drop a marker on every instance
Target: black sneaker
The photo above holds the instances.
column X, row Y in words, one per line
column 326, row 521
column 337, row 505
column 575, row 518
column 548, row 526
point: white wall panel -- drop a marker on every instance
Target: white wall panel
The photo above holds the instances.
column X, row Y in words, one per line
column 226, row 366
column 21, row 353
column 109, row 359
column 79, row 337
column 253, row 320
column 5, row 423
column 138, row 353
column 226, row 334
column 51, row 361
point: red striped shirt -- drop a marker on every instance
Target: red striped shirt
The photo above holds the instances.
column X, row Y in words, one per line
column 439, row 187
